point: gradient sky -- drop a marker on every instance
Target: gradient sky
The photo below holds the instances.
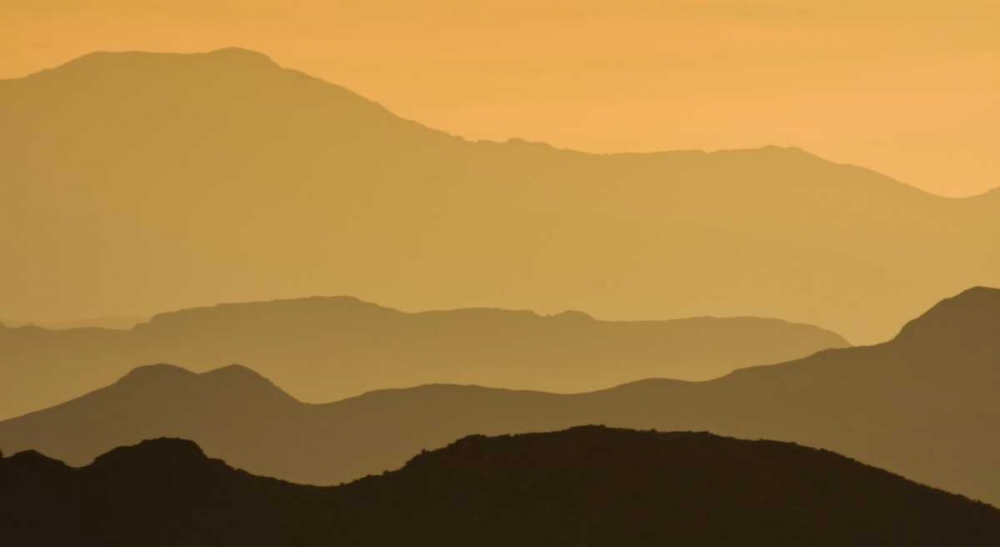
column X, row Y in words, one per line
column 909, row 88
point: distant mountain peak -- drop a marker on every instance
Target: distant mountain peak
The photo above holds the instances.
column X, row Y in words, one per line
column 573, row 315
column 232, row 380
column 786, row 149
column 32, row 460
column 241, row 311
column 238, row 54
column 968, row 318
column 239, row 375
column 233, row 370
column 232, row 56
column 160, row 371
column 153, row 453
column 977, row 292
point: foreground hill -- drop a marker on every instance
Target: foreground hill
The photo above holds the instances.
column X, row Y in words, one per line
column 323, row 349
column 137, row 182
column 923, row 405
column 584, row 486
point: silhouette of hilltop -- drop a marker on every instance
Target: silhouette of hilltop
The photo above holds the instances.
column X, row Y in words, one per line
column 583, row 486
column 922, row 406
column 322, row 349
column 967, row 319
column 252, row 181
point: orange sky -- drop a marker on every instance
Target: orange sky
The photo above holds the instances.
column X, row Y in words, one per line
column 908, row 88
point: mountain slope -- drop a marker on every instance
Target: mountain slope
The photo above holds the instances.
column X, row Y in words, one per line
column 114, row 323
column 584, row 486
column 129, row 172
column 923, row 406
column 323, row 349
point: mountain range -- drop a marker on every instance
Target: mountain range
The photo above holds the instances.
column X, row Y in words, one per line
column 323, row 349
column 584, row 486
column 923, row 405
column 137, row 181
column 117, row 323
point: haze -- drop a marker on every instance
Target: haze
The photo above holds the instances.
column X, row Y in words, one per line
column 500, row 272
column 906, row 88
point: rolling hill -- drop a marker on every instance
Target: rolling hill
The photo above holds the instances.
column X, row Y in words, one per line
column 135, row 182
column 584, row 486
column 923, row 405
column 323, row 349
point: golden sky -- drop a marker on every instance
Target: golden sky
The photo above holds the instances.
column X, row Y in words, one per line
column 909, row 88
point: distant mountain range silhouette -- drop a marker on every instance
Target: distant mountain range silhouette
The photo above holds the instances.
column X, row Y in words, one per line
column 152, row 181
column 584, row 486
column 322, row 349
column 119, row 323
column 923, row 405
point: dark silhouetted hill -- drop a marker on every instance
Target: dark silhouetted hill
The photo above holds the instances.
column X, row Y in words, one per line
column 323, row 349
column 923, row 405
column 584, row 486
column 153, row 181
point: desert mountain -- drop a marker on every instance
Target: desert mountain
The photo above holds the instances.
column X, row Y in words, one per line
column 136, row 182
column 584, row 486
column 323, row 349
column 118, row 323
column 923, row 405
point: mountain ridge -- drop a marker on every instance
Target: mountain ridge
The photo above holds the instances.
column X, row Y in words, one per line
column 954, row 315
column 327, row 348
column 343, row 301
column 534, row 489
column 496, row 225
column 249, row 57
column 902, row 405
